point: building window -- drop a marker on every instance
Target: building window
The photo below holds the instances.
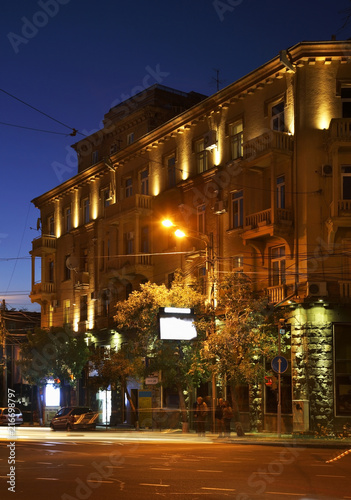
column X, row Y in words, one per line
column 129, row 289
column 236, row 139
column 346, row 182
column 106, row 197
column 145, row 240
column 237, row 205
column 51, row 271
column 51, row 225
column 68, row 219
column 84, row 263
column 95, row 157
column 66, row 312
column 201, row 157
column 346, row 102
column 84, row 308
column 281, row 191
column 129, row 242
column 113, row 149
column 171, row 171
column 144, row 180
column 86, row 211
column 67, row 270
column 128, row 187
column 170, row 279
column 238, row 263
column 342, row 369
column 277, row 266
column 277, row 117
column 201, row 218
column 130, row 138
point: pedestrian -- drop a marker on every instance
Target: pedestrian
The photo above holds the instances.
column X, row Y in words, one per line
column 219, row 417
column 227, row 417
column 200, row 416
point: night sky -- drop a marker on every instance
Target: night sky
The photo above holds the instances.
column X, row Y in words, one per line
column 74, row 59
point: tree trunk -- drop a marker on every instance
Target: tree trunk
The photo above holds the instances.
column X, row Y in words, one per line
column 183, row 410
column 134, row 410
column 40, row 411
column 236, row 413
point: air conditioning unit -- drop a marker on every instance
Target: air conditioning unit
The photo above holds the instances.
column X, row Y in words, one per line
column 317, row 289
column 327, row 170
column 219, row 207
column 210, row 139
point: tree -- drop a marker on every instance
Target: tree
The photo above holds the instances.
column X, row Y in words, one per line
column 113, row 369
column 137, row 318
column 242, row 337
column 58, row 354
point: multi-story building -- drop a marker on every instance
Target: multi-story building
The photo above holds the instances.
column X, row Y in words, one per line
column 260, row 173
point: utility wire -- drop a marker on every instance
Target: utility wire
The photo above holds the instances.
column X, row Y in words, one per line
column 31, row 128
column 74, row 131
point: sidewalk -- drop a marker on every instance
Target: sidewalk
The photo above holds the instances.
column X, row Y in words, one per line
column 253, row 438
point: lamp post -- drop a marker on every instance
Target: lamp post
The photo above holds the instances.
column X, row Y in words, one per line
column 180, row 233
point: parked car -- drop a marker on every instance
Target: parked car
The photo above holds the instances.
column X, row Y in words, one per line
column 74, row 417
column 10, row 416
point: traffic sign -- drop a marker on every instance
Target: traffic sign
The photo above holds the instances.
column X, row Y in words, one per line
column 279, row 364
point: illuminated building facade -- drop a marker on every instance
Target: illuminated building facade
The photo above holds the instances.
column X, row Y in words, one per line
column 263, row 169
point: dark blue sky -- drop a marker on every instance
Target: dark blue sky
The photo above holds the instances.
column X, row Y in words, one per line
column 74, row 59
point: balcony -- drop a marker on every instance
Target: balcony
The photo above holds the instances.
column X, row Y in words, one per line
column 340, row 130
column 43, row 292
column 128, row 268
column 138, row 202
column 344, row 208
column 270, row 142
column 345, row 289
column 268, row 223
column 44, row 244
column 277, row 294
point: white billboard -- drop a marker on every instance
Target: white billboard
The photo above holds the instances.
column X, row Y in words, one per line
column 177, row 323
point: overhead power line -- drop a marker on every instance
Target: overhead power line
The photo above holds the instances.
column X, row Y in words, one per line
column 31, row 128
column 74, row 131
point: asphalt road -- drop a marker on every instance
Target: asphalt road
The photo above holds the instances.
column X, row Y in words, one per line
column 80, row 466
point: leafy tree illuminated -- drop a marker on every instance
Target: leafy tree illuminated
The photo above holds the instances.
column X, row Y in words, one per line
column 180, row 361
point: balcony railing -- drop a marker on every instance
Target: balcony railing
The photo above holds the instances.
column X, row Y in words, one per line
column 340, row 129
column 138, row 201
column 277, row 293
column 43, row 288
column 344, row 207
column 345, row 289
column 270, row 140
column 44, row 242
column 264, row 218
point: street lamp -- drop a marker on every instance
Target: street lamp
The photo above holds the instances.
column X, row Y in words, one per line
column 190, row 233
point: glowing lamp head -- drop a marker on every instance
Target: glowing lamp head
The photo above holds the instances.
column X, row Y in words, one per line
column 167, row 223
column 179, row 233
